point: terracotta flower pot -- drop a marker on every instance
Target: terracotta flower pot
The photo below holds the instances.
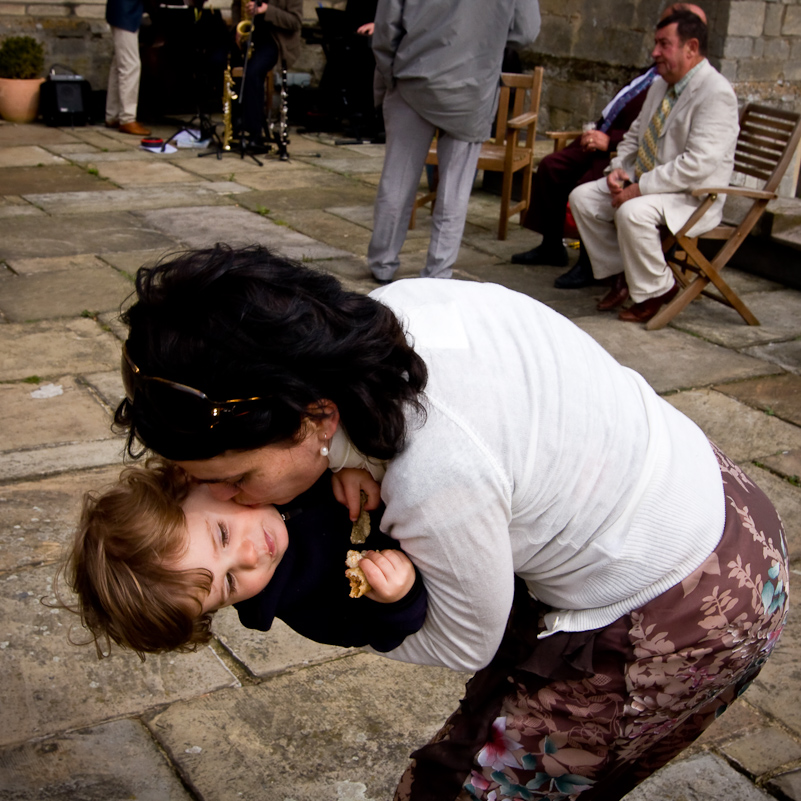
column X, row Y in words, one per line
column 19, row 98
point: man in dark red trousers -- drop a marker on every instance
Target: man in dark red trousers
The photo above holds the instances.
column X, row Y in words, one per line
column 585, row 159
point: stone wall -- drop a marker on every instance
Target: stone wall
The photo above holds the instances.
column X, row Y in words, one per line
column 589, row 49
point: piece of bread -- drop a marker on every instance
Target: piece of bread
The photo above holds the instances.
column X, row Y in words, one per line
column 361, row 528
column 358, row 581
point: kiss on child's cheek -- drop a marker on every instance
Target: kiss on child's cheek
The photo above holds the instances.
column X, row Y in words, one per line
column 241, row 546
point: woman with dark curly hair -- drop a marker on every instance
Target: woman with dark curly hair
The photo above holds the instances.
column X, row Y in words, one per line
column 612, row 577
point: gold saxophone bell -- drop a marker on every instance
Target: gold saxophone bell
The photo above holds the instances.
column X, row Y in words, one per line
column 245, row 27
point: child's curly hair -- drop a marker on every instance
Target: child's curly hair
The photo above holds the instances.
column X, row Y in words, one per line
column 118, row 565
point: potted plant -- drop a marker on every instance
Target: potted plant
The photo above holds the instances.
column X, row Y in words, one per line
column 21, row 65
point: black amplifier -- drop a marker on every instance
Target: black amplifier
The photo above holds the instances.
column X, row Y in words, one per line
column 65, row 100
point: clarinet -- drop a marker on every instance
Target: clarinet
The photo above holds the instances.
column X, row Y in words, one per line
column 281, row 135
column 283, row 121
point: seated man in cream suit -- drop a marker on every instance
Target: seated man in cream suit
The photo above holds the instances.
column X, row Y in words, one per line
column 684, row 138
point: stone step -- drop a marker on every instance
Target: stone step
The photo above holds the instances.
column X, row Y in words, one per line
column 782, row 221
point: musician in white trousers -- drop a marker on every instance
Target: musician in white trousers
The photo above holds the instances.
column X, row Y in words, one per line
column 122, row 97
column 438, row 66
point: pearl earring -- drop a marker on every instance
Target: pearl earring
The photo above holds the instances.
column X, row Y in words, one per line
column 324, row 449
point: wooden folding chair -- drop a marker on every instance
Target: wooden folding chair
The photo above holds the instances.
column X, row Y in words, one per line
column 518, row 109
column 765, row 147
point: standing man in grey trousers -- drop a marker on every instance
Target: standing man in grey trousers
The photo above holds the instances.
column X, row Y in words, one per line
column 438, row 65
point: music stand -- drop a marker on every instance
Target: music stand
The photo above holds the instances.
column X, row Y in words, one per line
column 205, row 32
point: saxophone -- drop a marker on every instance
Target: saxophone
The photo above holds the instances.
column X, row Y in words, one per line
column 229, row 95
column 245, row 26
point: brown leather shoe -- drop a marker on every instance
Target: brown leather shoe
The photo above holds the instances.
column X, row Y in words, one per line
column 619, row 293
column 112, row 123
column 135, row 128
column 643, row 312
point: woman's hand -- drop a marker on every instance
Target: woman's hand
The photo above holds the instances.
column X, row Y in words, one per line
column 366, row 29
column 390, row 573
column 348, row 482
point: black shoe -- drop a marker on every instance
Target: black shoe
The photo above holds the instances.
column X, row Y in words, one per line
column 578, row 276
column 381, row 281
column 555, row 256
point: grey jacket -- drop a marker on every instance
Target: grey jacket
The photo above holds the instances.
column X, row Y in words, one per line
column 444, row 57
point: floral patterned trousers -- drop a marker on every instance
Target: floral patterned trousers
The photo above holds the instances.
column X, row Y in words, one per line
column 605, row 709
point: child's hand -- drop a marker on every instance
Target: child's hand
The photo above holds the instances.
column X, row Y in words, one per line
column 390, row 573
column 347, row 483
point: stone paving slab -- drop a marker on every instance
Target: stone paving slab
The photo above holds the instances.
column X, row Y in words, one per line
column 93, row 287
column 787, row 463
column 95, row 233
column 349, row 164
column 52, row 264
column 203, row 227
column 129, row 261
column 129, row 174
column 52, row 460
column 113, row 762
column 787, row 784
column 38, row 518
column 52, row 349
column 229, row 164
column 775, row 690
column 12, row 134
column 352, row 268
column 102, row 138
column 743, row 434
column 484, row 236
column 35, row 416
column 138, row 199
column 313, row 146
column 763, row 751
column 301, row 176
column 319, row 223
column 54, row 178
column 741, row 719
column 667, row 359
column 24, row 209
column 95, row 157
column 50, row 684
column 108, row 385
column 785, row 354
column 779, row 313
column 72, row 148
column 27, row 156
column 779, row 395
column 282, row 201
column 343, row 730
column 699, row 778
column 537, row 283
column 786, row 497
column 266, row 653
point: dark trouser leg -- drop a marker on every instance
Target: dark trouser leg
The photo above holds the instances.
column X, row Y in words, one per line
column 261, row 61
column 556, row 176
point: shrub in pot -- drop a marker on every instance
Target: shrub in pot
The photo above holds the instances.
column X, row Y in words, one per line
column 21, row 65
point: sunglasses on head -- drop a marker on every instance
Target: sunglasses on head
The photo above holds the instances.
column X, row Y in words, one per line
column 185, row 409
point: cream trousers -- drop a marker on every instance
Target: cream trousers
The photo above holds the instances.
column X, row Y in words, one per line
column 625, row 239
column 123, row 78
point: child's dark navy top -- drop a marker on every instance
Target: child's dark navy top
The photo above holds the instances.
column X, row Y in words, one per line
column 309, row 590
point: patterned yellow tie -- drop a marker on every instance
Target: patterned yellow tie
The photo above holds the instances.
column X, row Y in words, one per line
column 646, row 155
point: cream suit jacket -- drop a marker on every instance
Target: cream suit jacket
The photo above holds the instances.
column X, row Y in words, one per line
column 695, row 149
